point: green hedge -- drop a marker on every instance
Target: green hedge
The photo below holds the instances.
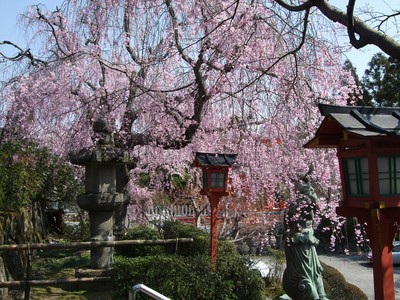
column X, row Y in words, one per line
column 141, row 233
column 176, row 277
column 338, row 288
column 169, row 230
column 201, row 239
column 189, row 273
column 183, row 277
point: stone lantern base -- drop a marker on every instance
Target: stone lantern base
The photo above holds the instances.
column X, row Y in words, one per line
column 104, row 189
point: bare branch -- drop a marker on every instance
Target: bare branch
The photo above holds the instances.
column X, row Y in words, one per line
column 306, row 5
column 367, row 35
column 357, row 43
column 21, row 54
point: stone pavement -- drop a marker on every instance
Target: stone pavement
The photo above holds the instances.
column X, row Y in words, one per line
column 358, row 271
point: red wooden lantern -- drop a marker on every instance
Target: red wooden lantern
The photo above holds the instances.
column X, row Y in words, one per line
column 215, row 167
column 367, row 140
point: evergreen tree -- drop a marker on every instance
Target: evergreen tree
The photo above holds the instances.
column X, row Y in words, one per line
column 381, row 81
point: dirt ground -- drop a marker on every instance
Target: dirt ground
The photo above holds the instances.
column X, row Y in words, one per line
column 98, row 291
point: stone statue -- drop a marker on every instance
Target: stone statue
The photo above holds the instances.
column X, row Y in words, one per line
column 302, row 278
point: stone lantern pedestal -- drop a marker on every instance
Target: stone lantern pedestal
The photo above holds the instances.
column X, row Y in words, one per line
column 103, row 192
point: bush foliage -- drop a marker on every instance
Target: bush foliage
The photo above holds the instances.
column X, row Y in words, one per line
column 29, row 173
column 188, row 274
column 338, row 288
column 140, row 232
column 201, row 239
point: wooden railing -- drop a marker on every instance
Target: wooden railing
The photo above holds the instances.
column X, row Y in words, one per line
column 28, row 282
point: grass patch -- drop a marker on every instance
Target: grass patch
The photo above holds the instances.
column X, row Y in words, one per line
column 54, row 264
column 59, row 265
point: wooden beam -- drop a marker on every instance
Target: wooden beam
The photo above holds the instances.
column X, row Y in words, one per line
column 88, row 245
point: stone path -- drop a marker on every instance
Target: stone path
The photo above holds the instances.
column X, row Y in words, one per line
column 358, row 271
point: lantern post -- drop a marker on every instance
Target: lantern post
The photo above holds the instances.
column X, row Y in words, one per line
column 104, row 192
column 215, row 168
column 367, row 141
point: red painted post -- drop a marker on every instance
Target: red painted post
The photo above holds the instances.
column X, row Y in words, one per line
column 215, row 167
column 214, row 200
column 381, row 230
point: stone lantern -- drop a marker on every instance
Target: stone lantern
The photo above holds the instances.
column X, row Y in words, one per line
column 215, row 167
column 367, row 141
column 103, row 191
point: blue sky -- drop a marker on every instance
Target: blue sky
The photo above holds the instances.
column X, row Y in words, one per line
column 9, row 13
column 10, row 9
column 360, row 58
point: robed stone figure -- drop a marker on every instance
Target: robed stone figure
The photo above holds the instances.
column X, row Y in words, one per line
column 302, row 278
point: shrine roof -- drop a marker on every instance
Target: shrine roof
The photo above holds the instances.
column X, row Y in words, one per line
column 362, row 121
column 214, row 159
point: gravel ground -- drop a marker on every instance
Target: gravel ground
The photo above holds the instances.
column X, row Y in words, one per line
column 358, row 271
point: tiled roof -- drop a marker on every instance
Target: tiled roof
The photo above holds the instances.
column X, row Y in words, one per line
column 214, row 159
column 365, row 121
column 355, row 121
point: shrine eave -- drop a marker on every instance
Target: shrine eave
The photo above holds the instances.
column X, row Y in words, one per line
column 356, row 121
column 214, row 159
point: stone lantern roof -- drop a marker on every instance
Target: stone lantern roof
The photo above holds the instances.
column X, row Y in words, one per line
column 100, row 155
column 104, row 151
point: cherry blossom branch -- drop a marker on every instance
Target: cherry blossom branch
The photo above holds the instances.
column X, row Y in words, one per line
column 176, row 33
column 200, row 97
column 127, row 31
column 292, row 52
column 53, row 30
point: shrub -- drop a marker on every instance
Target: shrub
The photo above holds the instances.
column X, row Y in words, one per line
column 225, row 248
column 20, row 179
column 201, row 239
column 141, row 233
column 188, row 275
column 180, row 277
column 76, row 232
column 338, row 288
column 237, row 277
column 29, row 174
column 176, row 277
column 273, row 282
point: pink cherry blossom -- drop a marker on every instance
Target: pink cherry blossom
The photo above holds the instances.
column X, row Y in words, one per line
column 182, row 76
